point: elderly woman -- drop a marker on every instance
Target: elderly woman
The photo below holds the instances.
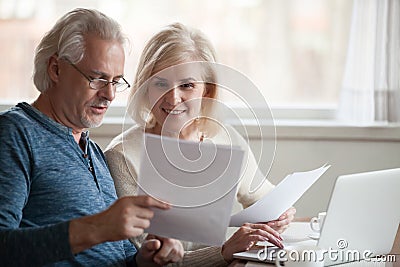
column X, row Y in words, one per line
column 173, row 97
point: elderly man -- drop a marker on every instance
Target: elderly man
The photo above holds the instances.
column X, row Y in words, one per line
column 58, row 205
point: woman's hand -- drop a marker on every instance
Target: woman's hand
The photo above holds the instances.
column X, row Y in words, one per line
column 282, row 223
column 247, row 236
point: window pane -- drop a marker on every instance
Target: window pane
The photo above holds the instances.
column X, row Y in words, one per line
column 293, row 50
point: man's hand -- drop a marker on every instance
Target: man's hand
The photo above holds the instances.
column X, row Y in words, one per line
column 159, row 251
column 126, row 218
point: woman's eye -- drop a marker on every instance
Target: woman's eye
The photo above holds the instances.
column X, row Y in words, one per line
column 187, row 85
column 161, row 84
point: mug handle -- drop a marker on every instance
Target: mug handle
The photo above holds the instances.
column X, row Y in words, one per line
column 314, row 220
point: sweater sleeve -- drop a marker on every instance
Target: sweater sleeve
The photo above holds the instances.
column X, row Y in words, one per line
column 203, row 257
column 246, row 195
column 33, row 246
column 122, row 171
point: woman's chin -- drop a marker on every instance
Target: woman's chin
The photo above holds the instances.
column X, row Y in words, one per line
column 175, row 124
column 168, row 129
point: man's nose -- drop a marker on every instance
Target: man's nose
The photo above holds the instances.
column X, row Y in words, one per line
column 108, row 92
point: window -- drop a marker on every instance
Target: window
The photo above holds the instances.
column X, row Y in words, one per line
column 294, row 51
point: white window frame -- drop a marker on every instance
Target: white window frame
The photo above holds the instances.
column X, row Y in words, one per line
column 291, row 123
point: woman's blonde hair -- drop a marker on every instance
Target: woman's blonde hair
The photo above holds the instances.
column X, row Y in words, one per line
column 174, row 45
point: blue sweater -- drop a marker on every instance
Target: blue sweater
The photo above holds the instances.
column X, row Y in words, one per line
column 45, row 181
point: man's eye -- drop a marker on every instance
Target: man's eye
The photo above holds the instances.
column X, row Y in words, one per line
column 117, row 81
column 98, row 79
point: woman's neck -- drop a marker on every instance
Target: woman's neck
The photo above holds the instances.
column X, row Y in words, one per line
column 190, row 132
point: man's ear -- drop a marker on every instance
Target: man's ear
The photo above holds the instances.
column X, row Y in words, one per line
column 53, row 68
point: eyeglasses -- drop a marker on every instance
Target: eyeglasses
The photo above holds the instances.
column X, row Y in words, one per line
column 98, row 83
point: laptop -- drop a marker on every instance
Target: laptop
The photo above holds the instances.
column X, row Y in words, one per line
column 362, row 218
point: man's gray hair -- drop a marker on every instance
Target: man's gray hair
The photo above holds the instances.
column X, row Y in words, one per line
column 67, row 40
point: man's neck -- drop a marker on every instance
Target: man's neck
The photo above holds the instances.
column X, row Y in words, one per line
column 43, row 104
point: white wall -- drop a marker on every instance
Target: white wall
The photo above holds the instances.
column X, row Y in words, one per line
column 344, row 156
column 305, row 146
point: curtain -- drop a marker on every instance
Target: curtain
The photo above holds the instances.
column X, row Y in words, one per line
column 371, row 83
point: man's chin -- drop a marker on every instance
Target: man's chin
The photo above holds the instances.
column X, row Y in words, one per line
column 92, row 123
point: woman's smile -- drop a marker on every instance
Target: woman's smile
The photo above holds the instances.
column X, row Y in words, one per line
column 173, row 111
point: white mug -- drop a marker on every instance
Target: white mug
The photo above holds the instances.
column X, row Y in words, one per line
column 316, row 223
column 300, row 256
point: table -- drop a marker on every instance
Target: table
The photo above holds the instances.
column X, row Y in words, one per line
column 303, row 224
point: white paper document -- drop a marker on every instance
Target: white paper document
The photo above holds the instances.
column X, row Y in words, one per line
column 279, row 199
column 199, row 180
